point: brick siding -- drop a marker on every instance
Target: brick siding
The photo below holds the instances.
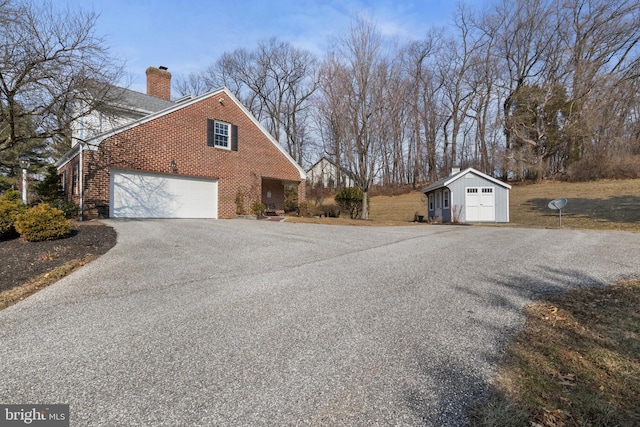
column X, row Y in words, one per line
column 181, row 136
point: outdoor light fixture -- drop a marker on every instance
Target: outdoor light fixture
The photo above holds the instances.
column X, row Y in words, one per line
column 24, row 164
column 174, row 165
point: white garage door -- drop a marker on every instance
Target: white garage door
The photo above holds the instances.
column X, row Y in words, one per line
column 149, row 195
column 480, row 204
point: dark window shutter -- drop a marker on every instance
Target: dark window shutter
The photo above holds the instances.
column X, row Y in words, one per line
column 211, row 137
column 234, row 137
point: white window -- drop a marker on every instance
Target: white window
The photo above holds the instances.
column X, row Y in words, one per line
column 445, row 199
column 221, row 134
column 438, row 195
column 431, row 201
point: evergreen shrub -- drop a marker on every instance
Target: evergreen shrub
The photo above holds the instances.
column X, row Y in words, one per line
column 258, row 208
column 42, row 222
column 350, row 200
column 70, row 209
column 9, row 211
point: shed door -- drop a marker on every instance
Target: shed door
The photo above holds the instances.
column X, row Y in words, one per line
column 480, row 204
column 137, row 194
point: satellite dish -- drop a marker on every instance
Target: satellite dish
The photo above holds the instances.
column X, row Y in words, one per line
column 557, row 205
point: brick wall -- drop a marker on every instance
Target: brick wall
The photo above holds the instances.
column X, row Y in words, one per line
column 181, row 136
column 159, row 83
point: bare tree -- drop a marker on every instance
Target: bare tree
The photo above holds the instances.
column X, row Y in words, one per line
column 424, row 114
column 525, row 32
column 361, row 71
column 275, row 82
column 456, row 62
column 51, row 62
column 603, row 40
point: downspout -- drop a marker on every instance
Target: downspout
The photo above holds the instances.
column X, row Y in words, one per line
column 81, row 183
column 81, row 171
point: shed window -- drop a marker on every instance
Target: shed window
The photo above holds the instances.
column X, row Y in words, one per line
column 438, row 203
column 445, row 199
column 487, row 190
column 472, row 190
column 431, row 201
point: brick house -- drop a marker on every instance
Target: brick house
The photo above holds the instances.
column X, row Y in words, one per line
column 199, row 157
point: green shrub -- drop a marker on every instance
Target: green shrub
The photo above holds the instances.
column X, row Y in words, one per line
column 6, row 183
column 12, row 196
column 350, row 200
column 258, row 208
column 328, row 211
column 9, row 210
column 42, row 222
column 70, row 209
column 50, row 188
column 290, row 198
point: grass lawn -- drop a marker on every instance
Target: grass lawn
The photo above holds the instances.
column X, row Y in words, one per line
column 599, row 205
column 577, row 360
column 576, row 363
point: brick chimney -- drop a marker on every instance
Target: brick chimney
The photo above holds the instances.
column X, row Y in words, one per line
column 159, row 82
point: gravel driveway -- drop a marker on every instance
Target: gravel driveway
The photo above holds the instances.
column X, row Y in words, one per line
column 239, row 322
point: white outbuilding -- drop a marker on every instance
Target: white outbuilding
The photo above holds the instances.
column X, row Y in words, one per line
column 468, row 196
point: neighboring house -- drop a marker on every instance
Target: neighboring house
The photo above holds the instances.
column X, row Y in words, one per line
column 325, row 172
column 468, row 196
column 202, row 157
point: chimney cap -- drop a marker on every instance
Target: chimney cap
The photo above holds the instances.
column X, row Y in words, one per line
column 162, row 67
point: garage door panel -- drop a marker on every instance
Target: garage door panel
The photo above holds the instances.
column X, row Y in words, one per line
column 147, row 195
column 480, row 204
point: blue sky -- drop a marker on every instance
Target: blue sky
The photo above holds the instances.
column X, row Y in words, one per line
column 188, row 35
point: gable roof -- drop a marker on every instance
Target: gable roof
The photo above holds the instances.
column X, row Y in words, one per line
column 342, row 169
column 94, row 142
column 444, row 182
column 138, row 101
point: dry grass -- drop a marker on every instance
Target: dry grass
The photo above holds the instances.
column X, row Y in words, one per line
column 575, row 363
column 18, row 293
column 384, row 210
column 600, row 205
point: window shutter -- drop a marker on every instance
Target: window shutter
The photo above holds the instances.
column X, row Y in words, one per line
column 211, row 133
column 234, row 137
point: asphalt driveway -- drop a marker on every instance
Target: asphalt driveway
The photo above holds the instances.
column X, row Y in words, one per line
column 245, row 322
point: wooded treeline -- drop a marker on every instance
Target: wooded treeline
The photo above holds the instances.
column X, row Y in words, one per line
column 522, row 89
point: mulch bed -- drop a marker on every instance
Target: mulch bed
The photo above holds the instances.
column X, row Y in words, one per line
column 23, row 261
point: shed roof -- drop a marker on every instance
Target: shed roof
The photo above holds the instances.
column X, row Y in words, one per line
column 444, row 182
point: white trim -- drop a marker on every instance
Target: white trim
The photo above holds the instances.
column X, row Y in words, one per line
column 477, row 172
column 98, row 139
column 303, row 174
column 480, row 194
column 222, row 147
